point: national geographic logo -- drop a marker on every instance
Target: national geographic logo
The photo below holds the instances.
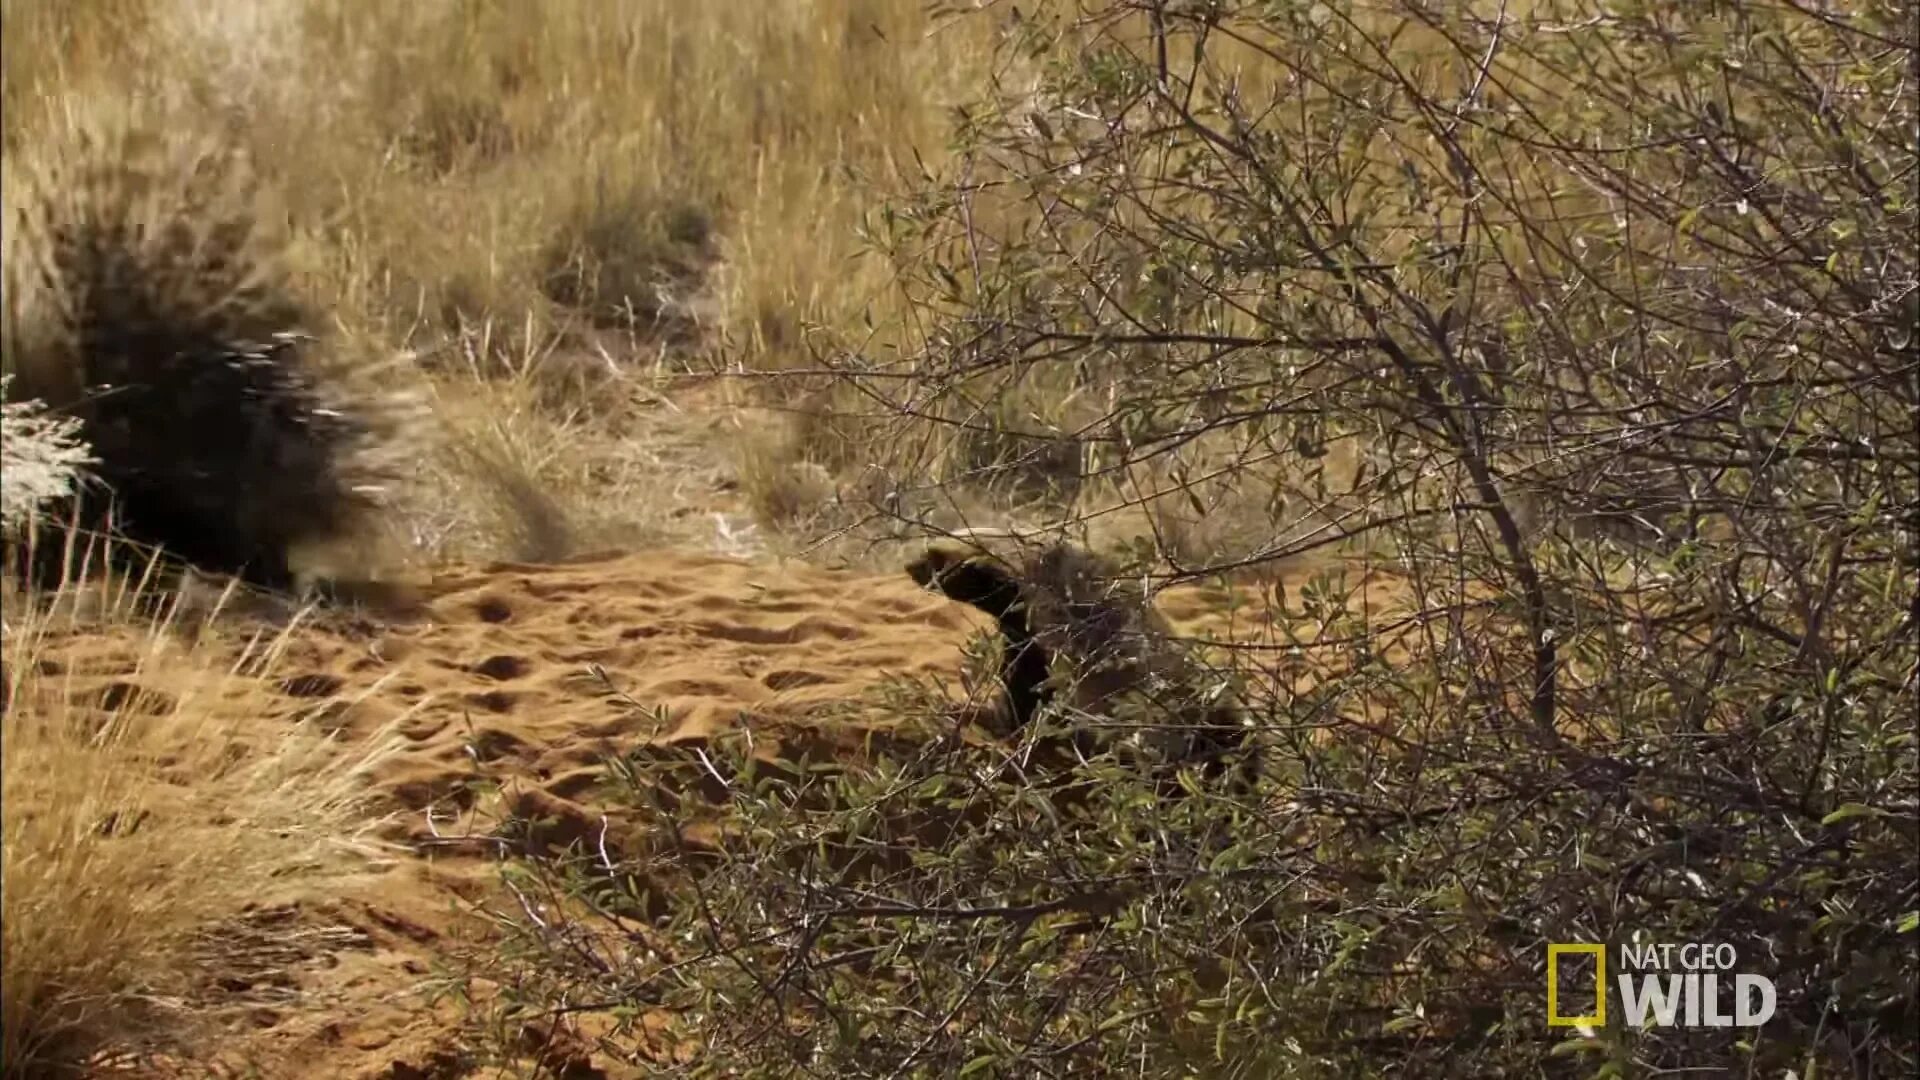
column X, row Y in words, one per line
column 1688, row 985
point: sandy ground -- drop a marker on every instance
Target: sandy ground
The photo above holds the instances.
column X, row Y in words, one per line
column 527, row 678
column 522, row 679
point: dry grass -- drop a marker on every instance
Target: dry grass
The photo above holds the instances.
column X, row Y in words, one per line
column 785, row 489
column 556, row 208
column 551, row 209
column 142, row 812
column 663, row 185
column 41, row 461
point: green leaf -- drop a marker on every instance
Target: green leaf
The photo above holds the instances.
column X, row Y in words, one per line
column 1850, row 811
column 1909, row 923
column 984, row 1061
column 1580, row 1045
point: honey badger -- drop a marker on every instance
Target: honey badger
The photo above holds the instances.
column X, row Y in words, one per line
column 1074, row 635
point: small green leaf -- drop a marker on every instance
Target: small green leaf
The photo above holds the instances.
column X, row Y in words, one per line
column 1401, row 1023
column 984, row 1061
column 1849, row 811
column 1909, row 924
column 1577, row 1046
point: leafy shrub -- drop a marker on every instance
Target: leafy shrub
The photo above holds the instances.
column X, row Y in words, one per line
column 1610, row 308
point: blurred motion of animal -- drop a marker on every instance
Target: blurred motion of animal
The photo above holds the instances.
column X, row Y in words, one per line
column 145, row 302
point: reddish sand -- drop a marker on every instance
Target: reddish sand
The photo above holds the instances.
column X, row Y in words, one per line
column 528, row 677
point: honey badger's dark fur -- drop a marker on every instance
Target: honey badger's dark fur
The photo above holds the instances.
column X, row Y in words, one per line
column 1025, row 664
column 1064, row 605
column 143, row 300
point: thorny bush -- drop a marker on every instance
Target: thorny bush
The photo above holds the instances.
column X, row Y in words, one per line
column 1593, row 319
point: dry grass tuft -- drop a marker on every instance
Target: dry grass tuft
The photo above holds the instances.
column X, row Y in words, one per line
column 786, row 490
column 627, row 258
column 142, row 810
column 44, row 460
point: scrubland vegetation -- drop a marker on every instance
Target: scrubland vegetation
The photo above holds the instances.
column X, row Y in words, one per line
column 1588, row 324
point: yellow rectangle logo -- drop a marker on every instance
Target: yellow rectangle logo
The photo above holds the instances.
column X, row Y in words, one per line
column 1598, row 1018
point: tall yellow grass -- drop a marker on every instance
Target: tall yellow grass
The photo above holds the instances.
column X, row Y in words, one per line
column 437, row 155
column 142, row 813
column 450, row 167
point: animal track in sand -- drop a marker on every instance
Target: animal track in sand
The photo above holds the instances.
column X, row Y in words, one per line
column 502, row 667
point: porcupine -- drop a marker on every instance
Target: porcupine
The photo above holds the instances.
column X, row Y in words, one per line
column 146, row 299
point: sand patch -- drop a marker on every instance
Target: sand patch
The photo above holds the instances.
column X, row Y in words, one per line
column 509, row 686
column 527, row 678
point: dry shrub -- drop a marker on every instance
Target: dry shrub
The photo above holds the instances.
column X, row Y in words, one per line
column 672, row 134
column 141, row 813
column 560, row 457
column 497, row 484
column 786, row 489
column 1012, row 445
column 629, row 258
column 409, row 108
column 44, row 460
column 1641, row 274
